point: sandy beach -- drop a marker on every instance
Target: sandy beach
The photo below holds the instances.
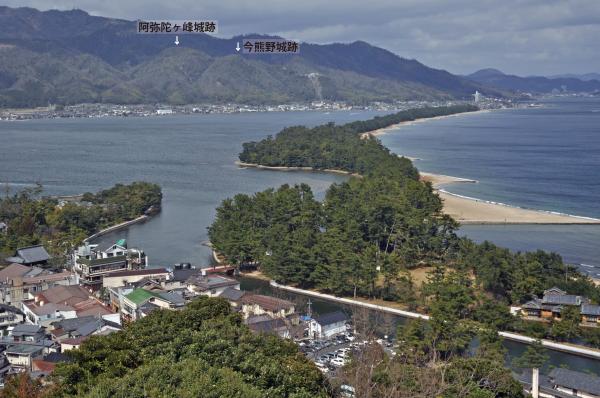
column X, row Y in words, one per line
column 464, row 209
column 474, row 211
column 385, row 130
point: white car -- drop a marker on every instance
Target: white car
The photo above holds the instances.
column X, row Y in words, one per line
column 338, row 361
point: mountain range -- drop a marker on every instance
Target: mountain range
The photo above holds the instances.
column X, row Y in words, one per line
column 68, row 57
column 533, row 84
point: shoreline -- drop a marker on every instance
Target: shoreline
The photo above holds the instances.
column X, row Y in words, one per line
column 116, row 227
column 382, row 306
column 385, row 130
column 573, row 349
column 242, row 165
column 474, row 211
column 467, row 210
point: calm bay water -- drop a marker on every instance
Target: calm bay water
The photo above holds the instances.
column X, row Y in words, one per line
column 190, row 157
column 545, row 158
column 540, row 158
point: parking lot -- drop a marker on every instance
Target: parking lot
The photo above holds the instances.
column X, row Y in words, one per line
column 330, row 354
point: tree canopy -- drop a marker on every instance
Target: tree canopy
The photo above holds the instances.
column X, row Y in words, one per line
column 203, row 350
column 33, row 219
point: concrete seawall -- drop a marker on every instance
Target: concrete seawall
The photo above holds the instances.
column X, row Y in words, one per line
column 552, row 345
column 117, row 227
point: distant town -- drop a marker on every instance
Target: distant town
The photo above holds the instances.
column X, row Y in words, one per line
column 110, row 110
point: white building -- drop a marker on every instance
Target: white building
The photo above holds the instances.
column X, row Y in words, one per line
column 327, row 325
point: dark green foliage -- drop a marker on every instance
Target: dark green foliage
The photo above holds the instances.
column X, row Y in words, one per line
column 567, row 328
column 363, row 225
column 518, row 277
column 33, row 220
column 378, row 225
column 128, row 201
column 341, row 147
column 203, row 350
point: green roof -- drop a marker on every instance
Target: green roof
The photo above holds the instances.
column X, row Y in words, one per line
column 122, row 242
column 139, row 296
column 23, row 348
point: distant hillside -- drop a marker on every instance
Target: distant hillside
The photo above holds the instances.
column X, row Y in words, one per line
column 584, row 76
column 532, row 84
column 69, row 57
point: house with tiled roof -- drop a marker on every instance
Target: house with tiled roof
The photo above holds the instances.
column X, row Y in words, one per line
column 551, row 304
column 30, row 255
column 20, row 282
column 590, row 314
column 62, row 302
column 563, row 383
column 234, row 296
column 210, row 285
column 134, row 301
column 257, row 304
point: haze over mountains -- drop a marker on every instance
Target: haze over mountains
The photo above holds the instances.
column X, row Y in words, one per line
column 534, row 84
column 69, row 57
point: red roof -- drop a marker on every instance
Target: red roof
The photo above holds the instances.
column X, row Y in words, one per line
column 43, row 366
column 267, row 302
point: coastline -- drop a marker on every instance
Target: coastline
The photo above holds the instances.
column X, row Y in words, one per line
column 385, row 130
column 575, row 349
column 116, row 227
column 286, row 168
column 474, row 211
column 466, row 210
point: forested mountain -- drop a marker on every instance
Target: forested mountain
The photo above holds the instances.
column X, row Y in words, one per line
column 69, row 57
column 533, row 84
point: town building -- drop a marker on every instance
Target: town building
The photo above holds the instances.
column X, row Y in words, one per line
column 140, row 302
column 551, row 304
column 234, row 296
column 21, row 282
column 327, row 325
column 257, row 304
column 265, row 324
column 45, row 365
column 590, row 314
column 563, row 383
column 21, row 355
column 209, row 284
column 70, row 333
column 10, row 316
column 62, row 302
column 124, row 278
column 24, row 344
column 94, row 262
column 30, row 255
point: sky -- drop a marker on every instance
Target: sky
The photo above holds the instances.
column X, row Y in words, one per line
column 523, row 37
